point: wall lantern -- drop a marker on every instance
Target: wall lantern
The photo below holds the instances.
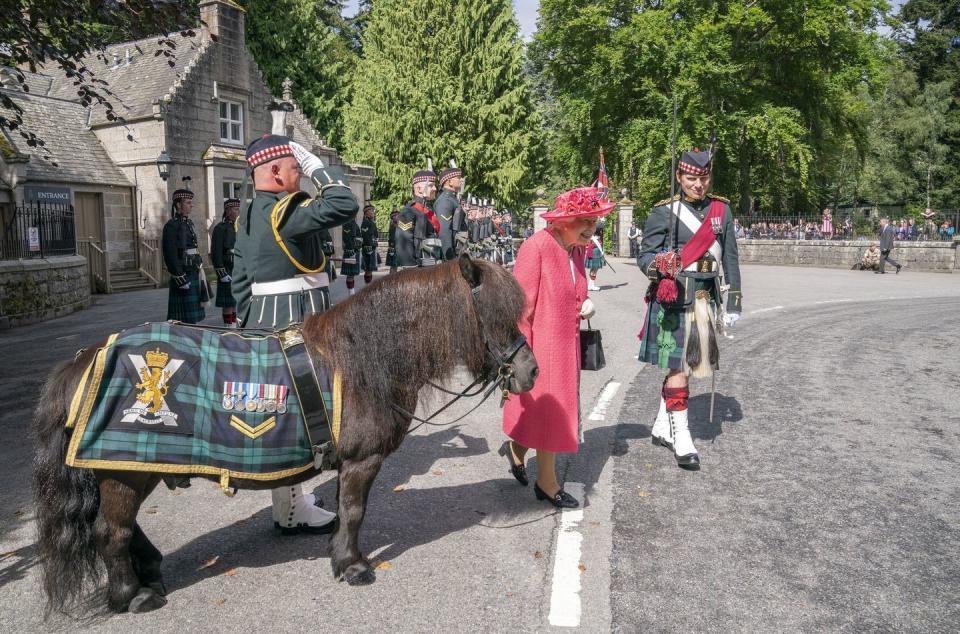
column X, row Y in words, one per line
column 163, row 165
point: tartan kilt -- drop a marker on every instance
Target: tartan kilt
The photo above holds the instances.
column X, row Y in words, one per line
column 225, row 297
column 662, row 341
column 184, row 305
column 350, row 268
column 370, row 261
column 595, row 262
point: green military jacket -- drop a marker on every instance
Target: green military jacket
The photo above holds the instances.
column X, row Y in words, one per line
column 655, row 235
column 280, row 237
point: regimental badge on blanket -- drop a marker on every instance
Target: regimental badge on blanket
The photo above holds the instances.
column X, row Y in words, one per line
column 254, row 397
column 153, row 373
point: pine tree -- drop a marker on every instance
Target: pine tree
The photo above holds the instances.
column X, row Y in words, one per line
column 309, row 42
column 443, row 77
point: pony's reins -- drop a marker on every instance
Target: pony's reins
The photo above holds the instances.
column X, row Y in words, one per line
column 488, row 385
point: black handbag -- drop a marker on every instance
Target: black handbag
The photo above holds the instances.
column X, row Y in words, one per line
column 591, row 349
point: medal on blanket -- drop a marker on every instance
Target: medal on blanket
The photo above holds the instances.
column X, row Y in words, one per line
column 270, row 403
column 231, row 393
column 251, row 402
column 281, row 399
column 261, row 398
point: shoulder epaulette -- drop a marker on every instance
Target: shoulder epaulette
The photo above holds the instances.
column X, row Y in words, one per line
column 726, row 200
column 666, row 201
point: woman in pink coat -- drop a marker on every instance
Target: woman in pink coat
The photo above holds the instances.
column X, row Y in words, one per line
column 550, row 268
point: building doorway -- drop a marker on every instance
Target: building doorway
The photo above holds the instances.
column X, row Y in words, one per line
column 88, row 216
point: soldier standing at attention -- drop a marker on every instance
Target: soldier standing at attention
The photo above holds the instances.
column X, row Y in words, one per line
column 280, row 267
column 684, row 298
column 448, row 209
column 369, row 236
column 182, row 259
column 418, row 230
column 221, row 254
column 350, row 242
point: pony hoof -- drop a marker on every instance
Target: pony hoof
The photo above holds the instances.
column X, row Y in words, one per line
column 146, row 600
column 359, row 574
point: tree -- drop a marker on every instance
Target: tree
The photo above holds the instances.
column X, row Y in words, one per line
column 309, row 42
column 782, row 84
column 443, row 77
column 61, row 33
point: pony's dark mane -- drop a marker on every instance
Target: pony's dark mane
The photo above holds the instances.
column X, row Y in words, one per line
column 416, row 326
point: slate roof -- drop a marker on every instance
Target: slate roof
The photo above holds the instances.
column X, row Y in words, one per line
column 77, row 151
column 137, row 84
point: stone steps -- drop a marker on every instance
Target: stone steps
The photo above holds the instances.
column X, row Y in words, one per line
column 122, row 281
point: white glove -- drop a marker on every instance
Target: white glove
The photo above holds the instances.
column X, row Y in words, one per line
column 185, row 287
column 226, row 279
column 729, row 319
column 587, row 309
column 309, row 162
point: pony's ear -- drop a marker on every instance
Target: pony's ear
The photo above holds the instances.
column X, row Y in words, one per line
column 470, row 270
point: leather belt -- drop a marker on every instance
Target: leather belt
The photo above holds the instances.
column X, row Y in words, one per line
column 311, row 399
column 292, row 285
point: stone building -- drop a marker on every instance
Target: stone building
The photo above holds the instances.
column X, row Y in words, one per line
column 201, row 112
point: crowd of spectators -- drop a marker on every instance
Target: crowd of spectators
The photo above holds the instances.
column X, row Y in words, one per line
column 803, row 229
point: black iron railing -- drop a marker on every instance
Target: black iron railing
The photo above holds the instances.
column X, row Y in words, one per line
column 37, row 230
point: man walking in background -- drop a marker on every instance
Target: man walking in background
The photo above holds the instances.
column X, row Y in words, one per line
column 886, row 245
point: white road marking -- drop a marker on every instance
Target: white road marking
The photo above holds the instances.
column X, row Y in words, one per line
column 565, row 608
column 834, row 301
column 766, row 310
column 606, row 395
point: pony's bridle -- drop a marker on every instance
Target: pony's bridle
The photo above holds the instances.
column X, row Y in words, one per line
column 498, row 377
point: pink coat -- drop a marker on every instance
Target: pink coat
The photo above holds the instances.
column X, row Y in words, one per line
column 547, row 417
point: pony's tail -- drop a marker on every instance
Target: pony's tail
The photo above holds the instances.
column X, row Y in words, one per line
column 66, row 501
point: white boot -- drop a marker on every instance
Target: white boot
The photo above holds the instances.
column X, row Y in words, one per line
column 353, row 291
column 683, row 449
column 660, row 434
column 294, row 511
column 592, row 286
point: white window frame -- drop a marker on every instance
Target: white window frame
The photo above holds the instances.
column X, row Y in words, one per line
column 230, row 122
column 230, row 188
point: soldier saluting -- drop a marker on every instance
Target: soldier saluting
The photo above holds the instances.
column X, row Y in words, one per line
column 221, row 254
column 685, row 240
column 449, row 212
column 182, row 259
column 418, row 231
column 280, row 267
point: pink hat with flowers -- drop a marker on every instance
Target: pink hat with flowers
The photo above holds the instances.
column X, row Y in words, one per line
column 582, row 202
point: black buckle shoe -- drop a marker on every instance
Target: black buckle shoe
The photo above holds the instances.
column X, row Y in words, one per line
column 899, row 266
column 518, row 470
column 562, row 499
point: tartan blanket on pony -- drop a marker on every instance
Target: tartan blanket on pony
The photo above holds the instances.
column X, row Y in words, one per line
column 172, row 398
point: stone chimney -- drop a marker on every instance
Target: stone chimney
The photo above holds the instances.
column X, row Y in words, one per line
column 223, row 19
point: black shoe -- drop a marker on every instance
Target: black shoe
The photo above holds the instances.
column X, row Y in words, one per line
column 899, row 266
column 562, row 500
column 690, row 462
column 518, row 470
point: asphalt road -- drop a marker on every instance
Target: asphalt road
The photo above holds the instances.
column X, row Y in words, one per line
column 826, row 499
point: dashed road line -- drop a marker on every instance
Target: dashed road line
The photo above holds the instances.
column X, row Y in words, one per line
column 603, row 402
column 765, row 310
column 565, row 606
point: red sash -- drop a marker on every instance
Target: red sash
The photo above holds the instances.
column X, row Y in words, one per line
column 430, row 216
column 700, row 243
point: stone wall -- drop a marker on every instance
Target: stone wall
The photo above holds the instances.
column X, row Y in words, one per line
column 36, row 290
column 918, row 256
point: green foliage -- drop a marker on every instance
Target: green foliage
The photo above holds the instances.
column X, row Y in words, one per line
column 443, row 77
column 785, row 85
column 309, row 42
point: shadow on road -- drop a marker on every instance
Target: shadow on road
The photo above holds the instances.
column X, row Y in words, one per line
column 727, row 409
